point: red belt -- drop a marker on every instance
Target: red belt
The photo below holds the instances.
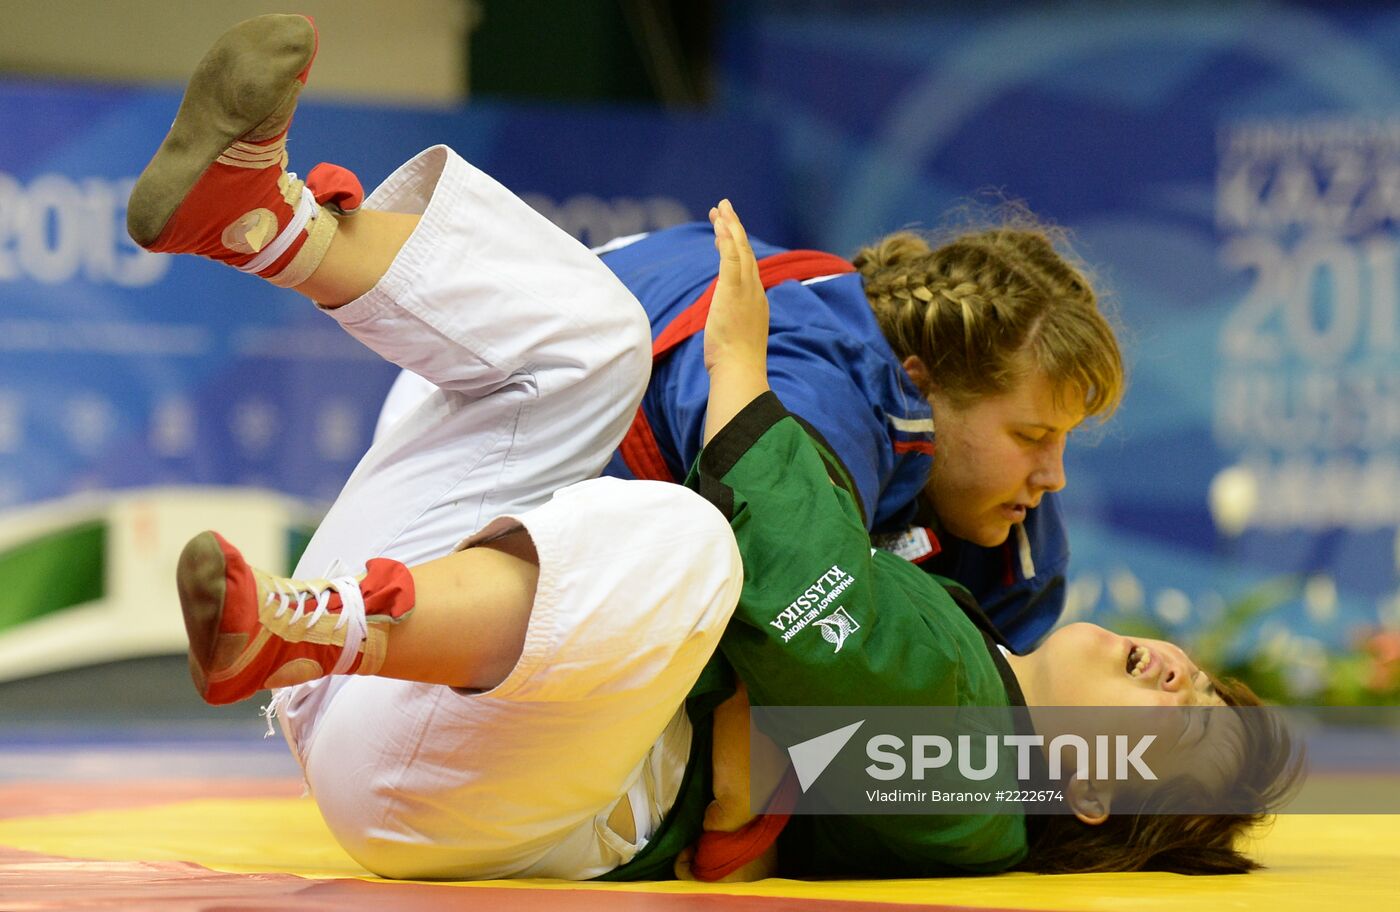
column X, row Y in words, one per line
column 639, row 450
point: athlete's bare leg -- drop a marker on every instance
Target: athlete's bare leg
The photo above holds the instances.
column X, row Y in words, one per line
column 360, row 253
column 468, row 624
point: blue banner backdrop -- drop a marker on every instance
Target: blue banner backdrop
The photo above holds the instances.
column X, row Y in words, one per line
column 1233, row 173
column 119, row 368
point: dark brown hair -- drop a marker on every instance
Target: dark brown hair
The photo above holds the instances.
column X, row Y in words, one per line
column 1268, row 772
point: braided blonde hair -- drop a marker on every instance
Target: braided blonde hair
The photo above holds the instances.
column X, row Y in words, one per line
column 989, row 307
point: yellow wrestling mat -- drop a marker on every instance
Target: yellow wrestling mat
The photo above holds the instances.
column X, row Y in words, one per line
column 1313, row 862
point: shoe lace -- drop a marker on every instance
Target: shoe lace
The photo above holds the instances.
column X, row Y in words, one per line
column 337, row 579
column 305, row 210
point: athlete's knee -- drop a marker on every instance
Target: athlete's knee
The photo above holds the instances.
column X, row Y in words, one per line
column 633, row 340
column 709, row 548
column 664, row 534
column 713, row 534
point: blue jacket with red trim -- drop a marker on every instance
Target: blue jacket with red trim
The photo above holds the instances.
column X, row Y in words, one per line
column 829, row 364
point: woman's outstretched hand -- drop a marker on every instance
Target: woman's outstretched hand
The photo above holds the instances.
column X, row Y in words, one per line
column 736, row 330
column 737, row 327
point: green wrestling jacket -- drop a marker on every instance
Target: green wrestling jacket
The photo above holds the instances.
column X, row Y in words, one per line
column 904, row 641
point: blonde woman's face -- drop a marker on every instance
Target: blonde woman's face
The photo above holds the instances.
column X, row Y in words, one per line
column 995, row 459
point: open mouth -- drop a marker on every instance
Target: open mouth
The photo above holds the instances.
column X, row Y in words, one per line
column 1139, row 659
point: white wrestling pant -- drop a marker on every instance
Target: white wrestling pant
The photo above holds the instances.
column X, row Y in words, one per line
column 540, row 357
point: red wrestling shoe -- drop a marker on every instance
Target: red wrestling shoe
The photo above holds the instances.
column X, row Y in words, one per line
column 250, row 631
column 218, row 185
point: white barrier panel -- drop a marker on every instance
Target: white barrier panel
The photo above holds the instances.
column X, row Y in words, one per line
column 137, row 612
